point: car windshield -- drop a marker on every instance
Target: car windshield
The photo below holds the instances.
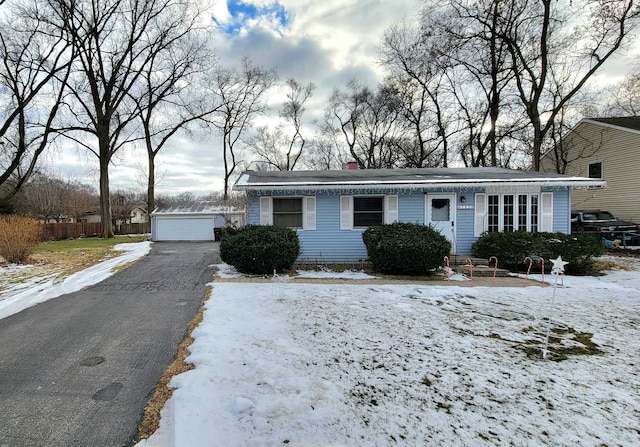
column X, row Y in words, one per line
column 599, row 215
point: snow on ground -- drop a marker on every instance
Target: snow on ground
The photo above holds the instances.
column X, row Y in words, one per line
column 369, row 365
column 40, row 289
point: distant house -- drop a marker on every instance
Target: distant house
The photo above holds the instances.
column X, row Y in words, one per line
column 193, row 221
column 605, row 149
column 331, row 209
column 90, row 216
column 139, row 215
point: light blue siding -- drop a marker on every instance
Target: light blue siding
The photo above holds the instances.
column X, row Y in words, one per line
column 328, row 243
column 411, row 208
column 561, row 210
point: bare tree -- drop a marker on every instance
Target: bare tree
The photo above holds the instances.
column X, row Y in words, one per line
column 34, row 65
column 569, row 41
column 368, row 123
column 416, row 62
column 240, row 92
column 115, row 41
column 626, row 97
column 170, row 94
column 282, row 147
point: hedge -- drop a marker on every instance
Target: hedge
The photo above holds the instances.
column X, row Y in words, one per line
column 259, row 249
column 405, row 248
column 511, row 248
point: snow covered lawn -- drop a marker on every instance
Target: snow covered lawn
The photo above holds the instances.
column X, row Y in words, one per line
column 362, row 365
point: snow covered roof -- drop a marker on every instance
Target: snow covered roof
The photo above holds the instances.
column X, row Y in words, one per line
column 405, row 178
column 204, row 207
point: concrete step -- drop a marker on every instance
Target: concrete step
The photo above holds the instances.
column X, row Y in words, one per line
column 462, row 260
column 480, row 270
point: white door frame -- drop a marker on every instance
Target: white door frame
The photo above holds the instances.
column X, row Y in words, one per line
column 447, row 229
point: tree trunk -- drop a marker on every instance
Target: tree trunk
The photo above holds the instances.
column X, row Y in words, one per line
column 105, row 198
column 151, row 185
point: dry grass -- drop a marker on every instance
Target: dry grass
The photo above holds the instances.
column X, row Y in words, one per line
column 19, row 236
column 162, row 392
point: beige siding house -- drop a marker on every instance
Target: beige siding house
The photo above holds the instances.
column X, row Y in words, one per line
column 606, row 149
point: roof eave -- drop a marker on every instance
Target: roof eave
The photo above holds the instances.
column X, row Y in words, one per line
column 567, row 182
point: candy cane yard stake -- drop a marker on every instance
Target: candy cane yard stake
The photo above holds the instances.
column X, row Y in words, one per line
column 556, row 270
column 495, row 269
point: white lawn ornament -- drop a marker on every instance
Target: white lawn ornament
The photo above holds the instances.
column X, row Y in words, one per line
column 277, row 282
column 556, row 270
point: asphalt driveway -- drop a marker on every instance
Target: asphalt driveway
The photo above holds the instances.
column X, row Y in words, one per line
column 78, row 370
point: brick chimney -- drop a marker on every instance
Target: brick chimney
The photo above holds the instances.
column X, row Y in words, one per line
column 351, row 165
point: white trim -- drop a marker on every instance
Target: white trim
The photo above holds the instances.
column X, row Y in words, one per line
column 309, row 213
column 480, row 214
column 390, row 209
column 346, row 212
column 545, row 212
column 266, row 210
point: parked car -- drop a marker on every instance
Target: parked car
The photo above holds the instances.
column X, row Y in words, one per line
column 605, row 224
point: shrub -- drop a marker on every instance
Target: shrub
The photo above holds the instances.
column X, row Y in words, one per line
column 260, row 249
column 405, row 248
column 19, row 236
column 511, row 248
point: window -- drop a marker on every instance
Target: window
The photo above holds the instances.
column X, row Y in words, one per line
column 493, row 214
column 522, row 212
column 505, row 214
column 287, row 212
column 368, row 211
column 595, row 170
column 364, row 211
column 440, row 210
column 533, row 215
column 291, row 212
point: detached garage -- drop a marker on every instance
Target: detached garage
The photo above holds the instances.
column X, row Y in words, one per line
column 195, row 221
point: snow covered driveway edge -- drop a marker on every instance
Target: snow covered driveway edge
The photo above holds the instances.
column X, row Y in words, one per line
column 44, row 289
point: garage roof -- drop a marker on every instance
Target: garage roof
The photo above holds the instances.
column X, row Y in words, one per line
column 188, row 208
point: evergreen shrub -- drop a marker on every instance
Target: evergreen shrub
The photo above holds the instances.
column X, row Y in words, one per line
column 19, row 236
column 259, row 249
column 405, row 248
column 511, row 248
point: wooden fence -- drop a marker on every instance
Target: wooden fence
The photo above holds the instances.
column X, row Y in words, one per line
column 60, row 231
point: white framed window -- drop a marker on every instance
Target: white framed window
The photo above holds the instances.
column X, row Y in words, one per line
column 290, row 212
column 513, row 212
column 361, row 212
column 594, row 170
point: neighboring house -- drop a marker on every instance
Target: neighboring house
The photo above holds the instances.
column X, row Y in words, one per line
column 139, row 215
column 193, row 221
column 605, row 149
column 90, row 216
column 331, row 209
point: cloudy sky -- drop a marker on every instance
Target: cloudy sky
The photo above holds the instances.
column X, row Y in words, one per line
column 325, row 42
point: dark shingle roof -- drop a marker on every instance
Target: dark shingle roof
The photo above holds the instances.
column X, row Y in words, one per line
column 630, row 122
column 399, row 177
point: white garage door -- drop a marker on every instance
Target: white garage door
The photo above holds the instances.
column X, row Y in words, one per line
column 184, row 229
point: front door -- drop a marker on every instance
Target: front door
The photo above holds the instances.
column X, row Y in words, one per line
column 441, row 215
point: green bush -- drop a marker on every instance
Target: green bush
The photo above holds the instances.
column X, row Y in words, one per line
column 405, row 248
column 260, row 249
column 19, row 236
column 511, row 248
